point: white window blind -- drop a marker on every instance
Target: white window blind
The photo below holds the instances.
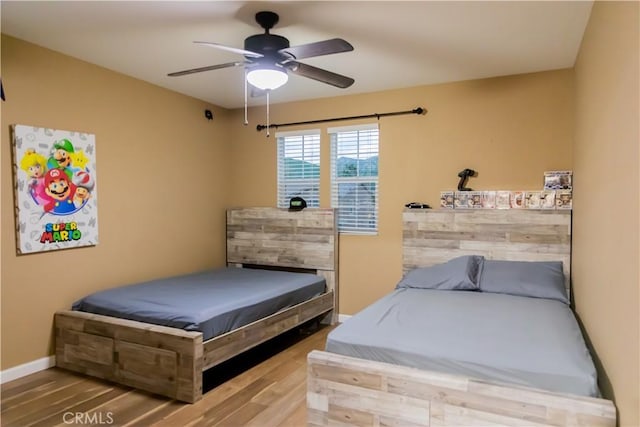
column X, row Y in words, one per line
column 354, row 177
column 299, row 167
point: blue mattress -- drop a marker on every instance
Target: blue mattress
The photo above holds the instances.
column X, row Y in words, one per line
column 532, row 342
column 212, row 302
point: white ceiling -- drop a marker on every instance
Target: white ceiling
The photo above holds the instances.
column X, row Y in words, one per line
column 396, row 44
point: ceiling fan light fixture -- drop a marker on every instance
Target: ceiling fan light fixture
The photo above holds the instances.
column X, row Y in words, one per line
column 267, row 78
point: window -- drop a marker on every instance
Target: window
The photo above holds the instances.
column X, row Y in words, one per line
column 299, row 167
column 354, row 177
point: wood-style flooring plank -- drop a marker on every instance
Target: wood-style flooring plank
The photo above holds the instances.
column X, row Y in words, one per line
column 298, row 417
column 131, row 406
column 265, row 386
column 57, row 401
column 217, row 413
column 86, row 407
column 159, row 413
column 242, row 416
column 24, row 384
column 190, row 412
column 280, row 409
column 279, row 388
column 37, row 389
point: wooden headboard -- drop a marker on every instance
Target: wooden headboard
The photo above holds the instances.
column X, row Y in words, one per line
column 306, row 239
column 435, row 236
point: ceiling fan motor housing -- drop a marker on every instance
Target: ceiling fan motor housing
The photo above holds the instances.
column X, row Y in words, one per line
column 266, row 44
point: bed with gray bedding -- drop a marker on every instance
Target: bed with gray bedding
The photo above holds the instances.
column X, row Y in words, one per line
column 534, row 342
column 139, row 337
column 212, row 302
column 479, row 332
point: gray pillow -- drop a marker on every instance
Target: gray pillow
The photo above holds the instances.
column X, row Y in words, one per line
column 459, row 273
column 537, row 279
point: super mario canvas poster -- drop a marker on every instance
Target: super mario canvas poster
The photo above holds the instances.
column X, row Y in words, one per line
column 56, row 191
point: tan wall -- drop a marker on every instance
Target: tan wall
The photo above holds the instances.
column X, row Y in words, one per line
column 162, row 174
column 605, row 230
column 509, row 129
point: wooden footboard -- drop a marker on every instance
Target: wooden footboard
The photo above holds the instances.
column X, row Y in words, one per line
column 158, row 359
column 344, row 390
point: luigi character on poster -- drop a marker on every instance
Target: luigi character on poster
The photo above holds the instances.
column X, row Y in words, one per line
column 55, row 189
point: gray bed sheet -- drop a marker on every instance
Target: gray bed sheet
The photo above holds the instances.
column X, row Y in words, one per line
column 526, row 341
column 212, row 302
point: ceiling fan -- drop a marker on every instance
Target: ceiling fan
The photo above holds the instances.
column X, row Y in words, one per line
column 268, row 58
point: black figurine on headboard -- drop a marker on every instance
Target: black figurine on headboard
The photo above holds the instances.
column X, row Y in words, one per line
column 464, row 175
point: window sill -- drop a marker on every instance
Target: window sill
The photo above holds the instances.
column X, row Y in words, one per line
column 359, row 233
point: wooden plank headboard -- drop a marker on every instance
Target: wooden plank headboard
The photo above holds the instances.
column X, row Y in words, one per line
column 278, row 237
column 435, row 236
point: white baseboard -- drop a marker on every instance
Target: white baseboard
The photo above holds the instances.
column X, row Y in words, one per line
column 27, row 369
column 343, row 317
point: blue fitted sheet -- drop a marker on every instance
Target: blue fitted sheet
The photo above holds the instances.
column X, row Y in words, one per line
column 532, row 342
column 212, row 302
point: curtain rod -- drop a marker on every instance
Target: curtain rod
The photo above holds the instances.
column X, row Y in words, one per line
column 418, row 110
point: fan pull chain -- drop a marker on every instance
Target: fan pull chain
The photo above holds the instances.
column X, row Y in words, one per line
column 268, row 113
column 246, row 116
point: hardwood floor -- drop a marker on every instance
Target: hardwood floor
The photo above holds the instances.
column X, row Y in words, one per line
column 265, row 386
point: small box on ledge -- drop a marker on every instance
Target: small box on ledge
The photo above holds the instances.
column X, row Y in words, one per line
column 564, row 199
column 558, row 180
column 446, row 199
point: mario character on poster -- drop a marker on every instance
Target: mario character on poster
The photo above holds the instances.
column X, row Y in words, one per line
column 55, row 189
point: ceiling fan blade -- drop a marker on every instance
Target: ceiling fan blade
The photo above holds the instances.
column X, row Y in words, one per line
column 319, row 74
column 326, row 47
column 207, row 68
column 232, row 49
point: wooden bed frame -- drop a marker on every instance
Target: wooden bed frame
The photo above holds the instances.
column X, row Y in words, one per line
column 351, row 391
column 170, row 361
